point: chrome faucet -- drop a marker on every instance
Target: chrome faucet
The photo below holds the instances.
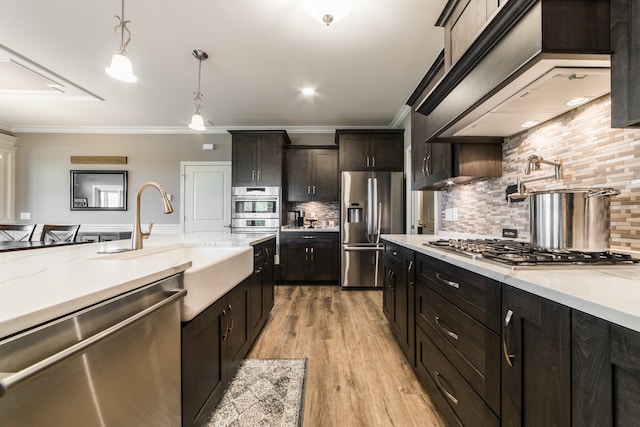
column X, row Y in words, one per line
column 533, row 163
column 138, row 235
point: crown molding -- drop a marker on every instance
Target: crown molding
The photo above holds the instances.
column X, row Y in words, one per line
column 398, row 120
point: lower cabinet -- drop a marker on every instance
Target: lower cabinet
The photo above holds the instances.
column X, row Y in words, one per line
column 215, row 342
column 605, row 371
column 536, row 363
column 310, row 256
column 398, row 296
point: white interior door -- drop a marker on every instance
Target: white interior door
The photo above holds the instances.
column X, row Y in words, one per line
column 206, row 198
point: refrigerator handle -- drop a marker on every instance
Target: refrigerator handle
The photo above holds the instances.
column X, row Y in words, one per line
column 370, row 225
column 379, row 221
column 374, row 209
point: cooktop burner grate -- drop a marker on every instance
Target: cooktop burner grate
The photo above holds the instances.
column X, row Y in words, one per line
column 517, row 253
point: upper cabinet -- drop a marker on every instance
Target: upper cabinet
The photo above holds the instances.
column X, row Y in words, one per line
column 512, row 61
column 625, row 64
column 311, row 174
column 257, row 157
column 370, row 150
column 434, row 165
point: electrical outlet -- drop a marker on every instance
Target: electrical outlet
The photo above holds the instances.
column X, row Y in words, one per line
column 510, row 232
column 25, row 215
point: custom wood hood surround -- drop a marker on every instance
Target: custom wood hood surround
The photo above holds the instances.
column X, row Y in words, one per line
column 528, row 59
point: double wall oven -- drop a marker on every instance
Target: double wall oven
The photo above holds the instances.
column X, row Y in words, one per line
column 256, row 210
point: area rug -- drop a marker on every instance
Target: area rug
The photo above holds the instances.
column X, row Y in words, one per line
column 264, row 392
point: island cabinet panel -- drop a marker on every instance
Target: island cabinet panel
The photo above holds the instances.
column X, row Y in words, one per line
column 256, row 157
column 205, row 363
column 262, row 286
column 371, row 150
column 536, row 362
column 311, row 174
column 605, row 373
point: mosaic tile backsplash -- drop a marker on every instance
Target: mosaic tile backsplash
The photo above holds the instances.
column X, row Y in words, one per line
column 593, row 154
column 325, row 211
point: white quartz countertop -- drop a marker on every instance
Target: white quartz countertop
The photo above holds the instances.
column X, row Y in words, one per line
column 608, row 292
column 41, row 284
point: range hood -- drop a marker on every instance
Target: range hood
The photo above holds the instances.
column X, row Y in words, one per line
column 527, row 63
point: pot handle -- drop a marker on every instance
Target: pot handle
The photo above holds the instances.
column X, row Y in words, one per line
column 602, row 192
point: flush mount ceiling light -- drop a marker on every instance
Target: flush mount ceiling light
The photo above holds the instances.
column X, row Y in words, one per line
column 327, row 11
column 121, row 68
column 197, row 122
column 577, row 101
column 308, row 91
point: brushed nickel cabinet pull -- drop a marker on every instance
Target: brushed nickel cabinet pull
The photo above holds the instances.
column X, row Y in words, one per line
column 445, row 330
column 226, row 328
column 423, row 166
column 259, row 179
column 314, row 190
column 428, row 158
column 373, row 162
column 449, row 396
column 253, row 175
column 367, row 161
column 447, row 282
column 505, row 350
column 233, row 320
column 308, row 190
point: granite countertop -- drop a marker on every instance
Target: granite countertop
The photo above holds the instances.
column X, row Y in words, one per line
column 608, row 292
column 41, row 284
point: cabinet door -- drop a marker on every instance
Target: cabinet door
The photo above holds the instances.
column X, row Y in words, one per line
column 439, row 162
column 268, row 291
column 324, row 258
column 536, row 362
column 418, row 150
column 298, row 168
column 389, row 292
column 325, row 175
column 204, row 363
column 354, row 152
column 387, row 152
column 605, row 372
column 269, row 164
column 239, row 333
column 293, row 260
column 244, row 160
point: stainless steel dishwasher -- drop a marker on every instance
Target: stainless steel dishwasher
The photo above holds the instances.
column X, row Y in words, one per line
column 116, row 364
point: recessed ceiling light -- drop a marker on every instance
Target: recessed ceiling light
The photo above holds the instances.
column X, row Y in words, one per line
column 308, row 91
column 577, row 101
column 529, row 124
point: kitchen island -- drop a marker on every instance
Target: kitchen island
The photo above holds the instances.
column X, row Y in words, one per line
column 499, row 345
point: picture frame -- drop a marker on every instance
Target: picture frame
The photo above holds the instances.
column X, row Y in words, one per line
column 98, row 190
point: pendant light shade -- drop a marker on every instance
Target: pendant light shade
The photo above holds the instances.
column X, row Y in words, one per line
column 121, row 67
column 197, row 122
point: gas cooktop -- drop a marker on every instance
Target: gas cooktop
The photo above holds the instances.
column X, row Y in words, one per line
column 515, row 253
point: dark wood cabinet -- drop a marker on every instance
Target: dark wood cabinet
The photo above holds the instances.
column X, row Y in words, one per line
column 625, row 63
column 257, row 157
column 262, row 286
column 311, row 174
column 309, row 256
column 398, row 296
column 213, row 344
column 536, row 362
column 457, row 340
column 605, row 373
column 371, row 150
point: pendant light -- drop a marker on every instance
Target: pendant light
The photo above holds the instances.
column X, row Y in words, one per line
column 197, row 122
column 121, row 68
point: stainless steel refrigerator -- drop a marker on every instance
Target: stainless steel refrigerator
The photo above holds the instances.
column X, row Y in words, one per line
column 371, row 204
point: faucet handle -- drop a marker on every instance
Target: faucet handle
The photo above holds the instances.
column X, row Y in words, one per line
column 148, row 233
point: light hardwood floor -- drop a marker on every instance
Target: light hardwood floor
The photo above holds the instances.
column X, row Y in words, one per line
column 357, row 374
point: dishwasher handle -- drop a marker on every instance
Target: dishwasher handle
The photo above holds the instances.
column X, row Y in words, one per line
column 13, row 380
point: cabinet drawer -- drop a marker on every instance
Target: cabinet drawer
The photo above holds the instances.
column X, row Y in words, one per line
column 463, row 400
column 472, row 348
column 393, row 253
column 476, row 295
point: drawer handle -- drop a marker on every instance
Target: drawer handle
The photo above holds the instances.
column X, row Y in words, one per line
column 233, row 320
column 505, row 350
column 308, row 237
column 446, row 331
column 447, row 282
column 448, row 395
column 226, row 328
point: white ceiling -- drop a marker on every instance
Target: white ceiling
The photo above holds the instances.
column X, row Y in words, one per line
column 261, row 54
